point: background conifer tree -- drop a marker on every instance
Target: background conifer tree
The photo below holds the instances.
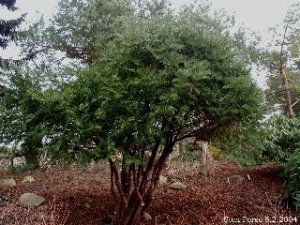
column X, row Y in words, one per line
column 8, row 29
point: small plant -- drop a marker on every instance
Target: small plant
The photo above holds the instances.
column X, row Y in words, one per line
column 22, row 168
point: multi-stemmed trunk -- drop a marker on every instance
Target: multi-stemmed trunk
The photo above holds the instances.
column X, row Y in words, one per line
column 133, row 183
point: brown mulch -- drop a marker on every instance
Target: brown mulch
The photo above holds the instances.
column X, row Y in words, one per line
column 82, row 197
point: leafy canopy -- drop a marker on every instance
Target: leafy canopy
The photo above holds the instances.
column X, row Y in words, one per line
column 159, row 78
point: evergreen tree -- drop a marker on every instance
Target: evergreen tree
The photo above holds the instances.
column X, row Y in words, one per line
column 8, row 28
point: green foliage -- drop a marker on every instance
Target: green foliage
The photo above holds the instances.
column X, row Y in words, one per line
column 156, row 76
column 282, row 54
column 190, row 156
column 217, row 153
column 283, row 139
column 19, row 169
column 282, row 58
column 151, row 8
column 292, row 173
column 242, row 142
column 25, row 110
column 185, row 73
column 245, row 157
column 159, row 79
column 79, row 30
column 192, row 153
column 282, row 146
column 8, row 30
column 275, row 93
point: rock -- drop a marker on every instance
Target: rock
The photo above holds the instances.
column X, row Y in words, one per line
column 162, row 180
column 147, row 216
column 30, row 199
column 28, row 179
column 7, row 182
column 87, row 205
column 235, row 178
column 177, row 186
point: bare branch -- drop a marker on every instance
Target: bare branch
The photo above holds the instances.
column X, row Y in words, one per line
column 276, row 92
column 296, row 102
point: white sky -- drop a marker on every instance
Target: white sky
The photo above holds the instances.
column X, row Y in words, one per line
column 257, row 15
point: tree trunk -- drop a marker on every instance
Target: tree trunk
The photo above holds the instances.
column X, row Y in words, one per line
column 204, row 152
column 284, row 80
column 181, row 148
column 132, row 187
column 288, row 95
column 30, row 150
column 206, row 161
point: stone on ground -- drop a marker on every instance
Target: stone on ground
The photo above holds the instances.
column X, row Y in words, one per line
column 147, row 216
column 177, row 186
column 31, row 199
column 162, row 180
column 28, row 179
column 7, row 182
column 235, row 178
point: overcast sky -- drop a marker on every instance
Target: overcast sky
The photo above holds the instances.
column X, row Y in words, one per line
column 257, row 14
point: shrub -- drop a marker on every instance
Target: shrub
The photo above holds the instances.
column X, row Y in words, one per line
column 292, row 173
column 283, row 147
column 283, row 139
column 217, row 153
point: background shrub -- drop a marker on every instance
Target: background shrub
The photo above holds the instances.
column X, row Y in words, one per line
column 283, row 147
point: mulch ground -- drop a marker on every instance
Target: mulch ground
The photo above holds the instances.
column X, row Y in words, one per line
column 81, row 196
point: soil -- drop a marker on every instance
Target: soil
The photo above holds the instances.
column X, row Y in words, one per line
column 81, row 196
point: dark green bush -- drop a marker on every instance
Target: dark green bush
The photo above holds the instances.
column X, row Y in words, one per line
column 292, row 173
column 283, row 147
column 283, row 139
